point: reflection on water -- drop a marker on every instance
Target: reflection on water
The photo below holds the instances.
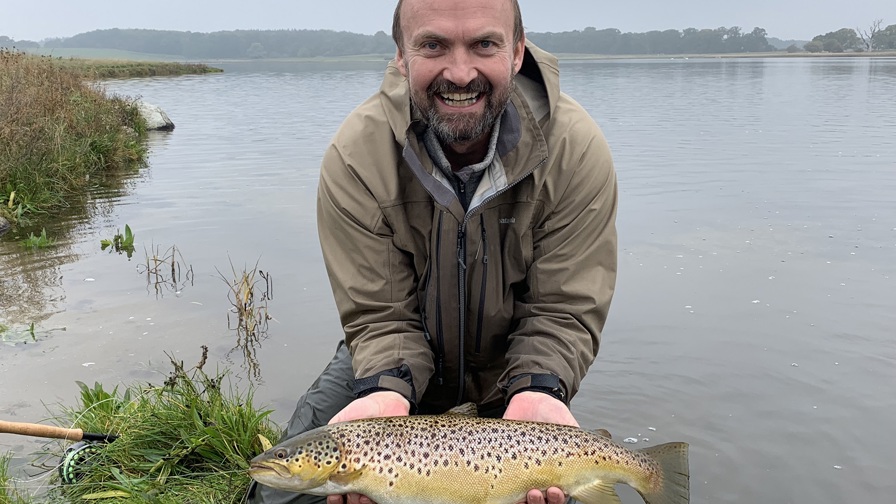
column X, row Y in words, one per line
column 755, row 305
column 31, row 287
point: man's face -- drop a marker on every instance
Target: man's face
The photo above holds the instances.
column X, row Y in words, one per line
column 460, row 59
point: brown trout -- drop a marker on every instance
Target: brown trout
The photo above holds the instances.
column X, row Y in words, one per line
column 455, row 458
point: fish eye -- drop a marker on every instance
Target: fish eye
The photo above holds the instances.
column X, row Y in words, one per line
column 281, row 453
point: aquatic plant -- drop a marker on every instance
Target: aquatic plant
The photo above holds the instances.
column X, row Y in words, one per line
column 166, row 271
column 120, row 242
column 250, row 304
column 38, row 241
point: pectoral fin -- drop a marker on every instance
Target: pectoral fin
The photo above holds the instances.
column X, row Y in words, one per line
column 601, row 492
column 344, row 478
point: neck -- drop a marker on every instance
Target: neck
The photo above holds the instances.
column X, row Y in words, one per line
column 466, row 153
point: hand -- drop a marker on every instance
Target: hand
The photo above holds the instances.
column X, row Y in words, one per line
column 377, row 404
column 538, row 407
column 349, row 499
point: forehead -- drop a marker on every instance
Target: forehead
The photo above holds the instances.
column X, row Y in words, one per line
column 456, row 17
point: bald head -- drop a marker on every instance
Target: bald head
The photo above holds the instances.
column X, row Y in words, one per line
column 398, row 34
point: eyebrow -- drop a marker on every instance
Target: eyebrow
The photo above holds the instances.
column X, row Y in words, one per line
column 433, row 36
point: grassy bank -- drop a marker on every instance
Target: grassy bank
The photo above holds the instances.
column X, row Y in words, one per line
column 120, row 69
column 58, row 132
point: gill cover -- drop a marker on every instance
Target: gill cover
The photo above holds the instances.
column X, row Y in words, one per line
column 302, row 463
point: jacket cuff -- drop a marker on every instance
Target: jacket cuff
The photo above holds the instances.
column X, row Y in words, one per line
column 545, row 383
column 396, row 380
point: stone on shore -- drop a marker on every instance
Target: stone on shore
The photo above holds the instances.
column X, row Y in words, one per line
column 156, row 118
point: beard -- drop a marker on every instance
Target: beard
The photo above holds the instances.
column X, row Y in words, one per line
column 454, row 128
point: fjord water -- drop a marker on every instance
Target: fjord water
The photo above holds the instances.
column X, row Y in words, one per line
column 755, row 314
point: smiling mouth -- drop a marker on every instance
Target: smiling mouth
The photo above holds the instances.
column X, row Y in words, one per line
column 460, row 99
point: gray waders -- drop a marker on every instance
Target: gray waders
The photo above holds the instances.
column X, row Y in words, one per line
column 331, row 392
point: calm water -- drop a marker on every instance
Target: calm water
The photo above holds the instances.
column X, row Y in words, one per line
column 756, row 307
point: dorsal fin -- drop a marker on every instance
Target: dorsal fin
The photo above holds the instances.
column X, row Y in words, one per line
column 603, row 432
column 468, row 409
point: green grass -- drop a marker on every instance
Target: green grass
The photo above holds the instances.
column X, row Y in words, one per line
column 188, row 439
column 8, row 492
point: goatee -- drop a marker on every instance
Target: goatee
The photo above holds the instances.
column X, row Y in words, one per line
column 455, row 128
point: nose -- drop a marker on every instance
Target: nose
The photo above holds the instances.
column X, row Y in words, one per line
column 461, row 68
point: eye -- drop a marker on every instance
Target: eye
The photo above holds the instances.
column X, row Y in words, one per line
column 431, row 46
column 486, row 44
column 281, row 453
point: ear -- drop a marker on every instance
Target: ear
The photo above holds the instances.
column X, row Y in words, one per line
column 518, row 51
column 399, row 60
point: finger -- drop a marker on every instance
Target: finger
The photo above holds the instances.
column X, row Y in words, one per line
column 356, row 498
column 534, row 497
column 335, row 499
column 556, row 496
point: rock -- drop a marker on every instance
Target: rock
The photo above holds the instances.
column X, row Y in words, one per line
column 4, row 226
column 156, row 118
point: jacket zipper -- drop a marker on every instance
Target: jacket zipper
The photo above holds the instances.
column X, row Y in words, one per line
column 482, row 289
column 440, row 334
column 462, row 279
column 462, row 303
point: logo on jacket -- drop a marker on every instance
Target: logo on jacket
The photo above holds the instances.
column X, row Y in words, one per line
column 508, row 220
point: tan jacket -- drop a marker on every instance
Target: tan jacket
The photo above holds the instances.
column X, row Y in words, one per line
column 445, row 306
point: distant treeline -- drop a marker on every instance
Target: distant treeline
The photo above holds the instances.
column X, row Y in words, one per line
column 242, row 44
column 327, row 43
column 875, row 38
column 237, row 44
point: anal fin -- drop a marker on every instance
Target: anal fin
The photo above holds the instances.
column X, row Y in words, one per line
column 601, row 492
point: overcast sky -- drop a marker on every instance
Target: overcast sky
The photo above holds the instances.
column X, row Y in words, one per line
column 785, row 19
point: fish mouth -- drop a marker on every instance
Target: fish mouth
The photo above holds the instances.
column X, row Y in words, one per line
column 262, row 468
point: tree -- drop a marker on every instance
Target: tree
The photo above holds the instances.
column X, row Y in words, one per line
column 869, row 36
column 845, row 37
column 814, row 47
column 831, row 45
column 887, row 38
column 793, row 48
column 256, row 51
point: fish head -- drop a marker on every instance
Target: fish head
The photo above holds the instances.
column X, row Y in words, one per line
column 298, row 464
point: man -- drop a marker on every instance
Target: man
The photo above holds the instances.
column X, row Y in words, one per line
column 467, row 218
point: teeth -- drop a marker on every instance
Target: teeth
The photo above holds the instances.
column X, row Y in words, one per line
column 461, row 98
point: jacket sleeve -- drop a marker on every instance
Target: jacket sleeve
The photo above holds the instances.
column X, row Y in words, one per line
column 373, row 282
column 572, row 277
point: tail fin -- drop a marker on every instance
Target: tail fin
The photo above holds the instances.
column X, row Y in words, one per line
column 675, row 486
